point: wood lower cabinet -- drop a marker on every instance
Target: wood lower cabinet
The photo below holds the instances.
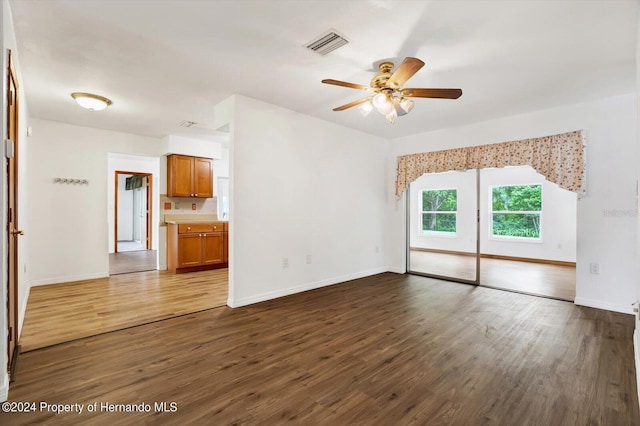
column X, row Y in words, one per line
column 197, row 246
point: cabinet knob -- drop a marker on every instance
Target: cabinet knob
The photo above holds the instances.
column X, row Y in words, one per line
column 215, row 227
column 196, row 195
column 188, row 228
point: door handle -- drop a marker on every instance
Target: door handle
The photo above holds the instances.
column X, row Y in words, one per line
column 20, row 232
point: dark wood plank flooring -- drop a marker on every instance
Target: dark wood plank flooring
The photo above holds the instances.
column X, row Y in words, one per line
column 388, row 349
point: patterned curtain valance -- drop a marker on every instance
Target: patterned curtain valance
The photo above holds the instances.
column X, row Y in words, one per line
column 559, row 158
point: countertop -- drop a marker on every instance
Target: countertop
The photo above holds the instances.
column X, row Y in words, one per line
column 181, row 221
column 178, row 219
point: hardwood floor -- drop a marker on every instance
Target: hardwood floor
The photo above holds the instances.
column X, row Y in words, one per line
column 63, row 312
column 388, row 349
column 534, row 278
column 132, row 261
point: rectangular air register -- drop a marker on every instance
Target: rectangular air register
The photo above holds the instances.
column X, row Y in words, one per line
column 327, row 43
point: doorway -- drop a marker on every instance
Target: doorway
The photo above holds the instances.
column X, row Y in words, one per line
column 505, row 228
column 132, row 231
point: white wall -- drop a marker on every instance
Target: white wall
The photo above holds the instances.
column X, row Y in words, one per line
column 142, row 164
column 606, row 222
column 69, row 223
column 301, row 187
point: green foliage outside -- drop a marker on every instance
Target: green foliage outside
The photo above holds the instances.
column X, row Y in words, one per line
column 436, row 201
column 519, row 198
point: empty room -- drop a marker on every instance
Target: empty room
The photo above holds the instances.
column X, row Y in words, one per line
column 320, row 212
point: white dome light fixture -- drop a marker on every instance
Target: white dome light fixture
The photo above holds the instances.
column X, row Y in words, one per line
column 90, row 101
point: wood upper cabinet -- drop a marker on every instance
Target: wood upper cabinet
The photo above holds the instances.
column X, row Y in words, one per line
column 189, row 176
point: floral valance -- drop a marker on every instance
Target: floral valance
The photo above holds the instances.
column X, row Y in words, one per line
column 559, row 158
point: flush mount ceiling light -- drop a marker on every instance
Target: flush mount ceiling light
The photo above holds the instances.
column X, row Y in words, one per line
column 90, row 101
column 389, row 98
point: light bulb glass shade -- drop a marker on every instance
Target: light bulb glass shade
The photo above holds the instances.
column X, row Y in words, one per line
column 407, row 105
column 386, row 107
column 392, row 116
column 379, row 100
column 366, row 108
column 90, row 101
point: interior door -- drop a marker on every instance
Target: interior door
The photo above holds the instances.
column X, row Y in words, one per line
column 12, row 216
column 443, row 226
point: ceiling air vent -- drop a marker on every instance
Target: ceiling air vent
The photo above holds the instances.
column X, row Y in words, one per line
column 187, row 123
column 327, row 43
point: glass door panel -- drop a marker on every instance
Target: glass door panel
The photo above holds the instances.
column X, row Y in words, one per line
column 442, row 226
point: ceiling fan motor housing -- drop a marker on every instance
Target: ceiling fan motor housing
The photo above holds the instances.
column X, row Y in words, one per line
column 380, row 80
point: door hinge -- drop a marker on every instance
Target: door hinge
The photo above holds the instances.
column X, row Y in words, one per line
column 9, row 148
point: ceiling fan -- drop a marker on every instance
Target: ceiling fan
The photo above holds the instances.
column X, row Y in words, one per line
column 388, row 97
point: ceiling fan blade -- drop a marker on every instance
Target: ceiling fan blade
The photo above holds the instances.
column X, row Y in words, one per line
column 404, row 72
column 351, row 104
column 345, row 84
column 432, row 93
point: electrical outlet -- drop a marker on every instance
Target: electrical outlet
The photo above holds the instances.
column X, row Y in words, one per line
column 285, row 262
column 308, row 259
column 594, row 268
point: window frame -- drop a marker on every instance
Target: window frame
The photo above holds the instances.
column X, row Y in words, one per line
column 439, row 234
column 508, row 238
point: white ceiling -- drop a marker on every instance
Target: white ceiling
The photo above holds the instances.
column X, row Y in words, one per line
column 165, row 61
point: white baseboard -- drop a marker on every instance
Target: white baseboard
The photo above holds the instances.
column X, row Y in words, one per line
column 607, row 306
column 397, row 270
column 300, row 288
column 69, row 278
column 4, row 386
column 23, row 312
column 162, row 267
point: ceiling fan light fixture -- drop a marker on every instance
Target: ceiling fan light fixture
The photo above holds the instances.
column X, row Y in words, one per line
column 379, row 100
column 366, row 108
column 90, row 101
column 392, row 116
column 383, row 104
column 407, row 105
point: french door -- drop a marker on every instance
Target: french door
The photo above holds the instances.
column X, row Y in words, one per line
column 443, row 234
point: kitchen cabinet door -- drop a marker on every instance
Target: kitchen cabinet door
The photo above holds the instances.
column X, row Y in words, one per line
column 180, row 169
column 189, row 250
column 212, row 248
column 203, row 177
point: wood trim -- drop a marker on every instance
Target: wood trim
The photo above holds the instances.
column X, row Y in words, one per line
column 498, row 256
